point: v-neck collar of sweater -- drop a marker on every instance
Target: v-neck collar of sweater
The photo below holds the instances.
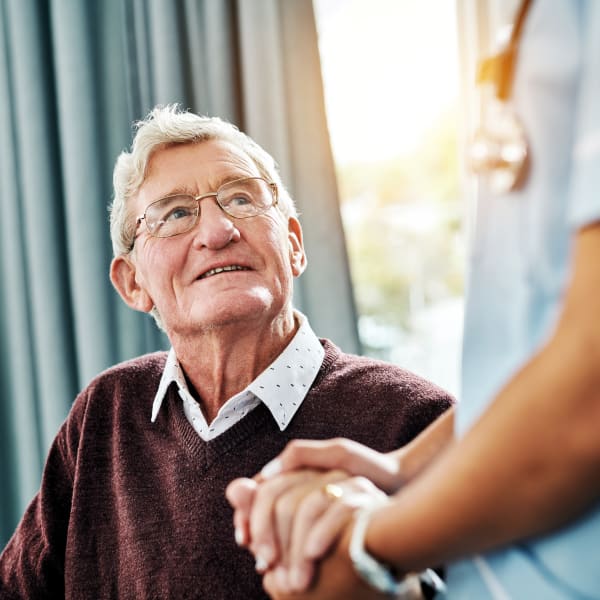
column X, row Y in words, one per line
column 173, row 418
column 282, row 386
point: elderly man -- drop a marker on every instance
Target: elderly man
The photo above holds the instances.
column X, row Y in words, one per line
column 132, row 500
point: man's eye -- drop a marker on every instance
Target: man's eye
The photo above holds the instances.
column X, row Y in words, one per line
column 240, row 201
column 181, row 212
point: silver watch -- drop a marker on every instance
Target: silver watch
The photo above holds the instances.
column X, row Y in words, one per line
column 378, row 575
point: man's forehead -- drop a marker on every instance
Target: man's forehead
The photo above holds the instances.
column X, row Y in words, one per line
column 206, row 151
column 197, row 167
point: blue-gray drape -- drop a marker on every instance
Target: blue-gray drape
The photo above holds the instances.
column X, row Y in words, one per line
column 73, row 76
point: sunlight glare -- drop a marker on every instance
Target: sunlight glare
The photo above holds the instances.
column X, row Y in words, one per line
column 387, row 70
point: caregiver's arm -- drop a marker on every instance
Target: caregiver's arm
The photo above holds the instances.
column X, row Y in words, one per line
column 530, row 464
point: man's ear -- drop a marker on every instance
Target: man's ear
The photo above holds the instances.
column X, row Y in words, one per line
column 297, row 255
column 122, row 275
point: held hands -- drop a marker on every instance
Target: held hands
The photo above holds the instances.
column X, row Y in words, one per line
column 336, row 579
column 291, row 519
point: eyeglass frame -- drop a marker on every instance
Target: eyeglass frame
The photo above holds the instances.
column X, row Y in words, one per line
column 272, row 186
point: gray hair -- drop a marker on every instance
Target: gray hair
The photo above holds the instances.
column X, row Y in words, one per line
column 166, row 126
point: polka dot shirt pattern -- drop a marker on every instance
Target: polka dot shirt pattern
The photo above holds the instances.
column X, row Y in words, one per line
column 282, row 386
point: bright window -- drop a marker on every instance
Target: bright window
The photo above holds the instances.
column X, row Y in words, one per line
column 390, row 71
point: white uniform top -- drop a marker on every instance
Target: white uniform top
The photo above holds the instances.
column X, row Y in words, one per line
column 520, row 266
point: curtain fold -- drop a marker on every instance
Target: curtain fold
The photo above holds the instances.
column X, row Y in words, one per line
column 44, row 351
column 284, row 111
column 84, row 195
column 73, row 77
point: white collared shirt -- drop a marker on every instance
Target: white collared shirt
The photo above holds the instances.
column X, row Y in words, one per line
column 282, row 386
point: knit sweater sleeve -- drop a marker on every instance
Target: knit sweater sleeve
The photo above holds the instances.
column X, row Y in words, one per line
column 32, row 563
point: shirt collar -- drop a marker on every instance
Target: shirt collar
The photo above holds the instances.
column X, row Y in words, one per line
column 282, row 386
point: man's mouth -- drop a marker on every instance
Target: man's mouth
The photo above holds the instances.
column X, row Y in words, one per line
column 218, row 270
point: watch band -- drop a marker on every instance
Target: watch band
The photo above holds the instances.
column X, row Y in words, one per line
column 378, row 575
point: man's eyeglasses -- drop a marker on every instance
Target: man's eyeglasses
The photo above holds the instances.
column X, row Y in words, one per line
column 241, row 199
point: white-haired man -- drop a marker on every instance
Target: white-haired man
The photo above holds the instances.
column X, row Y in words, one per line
column 132, row 500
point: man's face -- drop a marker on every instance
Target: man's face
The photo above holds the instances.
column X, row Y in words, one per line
column 176, row 274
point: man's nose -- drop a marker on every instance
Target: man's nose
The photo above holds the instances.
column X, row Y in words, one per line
column 215, row 228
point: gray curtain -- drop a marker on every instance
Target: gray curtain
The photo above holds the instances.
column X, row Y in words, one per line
column 74, row 74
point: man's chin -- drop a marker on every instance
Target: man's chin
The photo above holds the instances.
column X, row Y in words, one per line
column 245, row 309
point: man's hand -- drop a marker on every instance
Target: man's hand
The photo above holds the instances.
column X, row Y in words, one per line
column 292, row 520
column 335, row 578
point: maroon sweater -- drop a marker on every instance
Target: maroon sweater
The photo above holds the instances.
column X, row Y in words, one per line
column 131, row 509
